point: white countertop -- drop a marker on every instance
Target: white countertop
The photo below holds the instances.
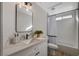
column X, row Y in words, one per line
column 13, row 48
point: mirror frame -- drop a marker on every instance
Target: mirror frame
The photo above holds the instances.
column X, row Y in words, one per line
column 16, row 22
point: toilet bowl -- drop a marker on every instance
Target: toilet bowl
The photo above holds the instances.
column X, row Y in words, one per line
column 52, row 46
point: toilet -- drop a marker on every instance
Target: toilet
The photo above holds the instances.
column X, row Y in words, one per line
column 52, row 48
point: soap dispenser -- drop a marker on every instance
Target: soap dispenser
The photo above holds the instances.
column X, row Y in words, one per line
column 16, row 37
column 27, row 36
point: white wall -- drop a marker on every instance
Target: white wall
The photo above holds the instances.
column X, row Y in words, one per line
column 8, row 21
column 39, row 20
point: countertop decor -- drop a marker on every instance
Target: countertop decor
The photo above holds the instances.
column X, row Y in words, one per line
column 37, row 33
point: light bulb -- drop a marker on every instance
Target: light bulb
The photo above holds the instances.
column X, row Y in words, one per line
column 22, row 4
column 30, row 7
column 19, row 5
column 27, row 9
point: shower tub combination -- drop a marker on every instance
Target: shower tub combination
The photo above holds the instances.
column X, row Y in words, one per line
column 63, row 33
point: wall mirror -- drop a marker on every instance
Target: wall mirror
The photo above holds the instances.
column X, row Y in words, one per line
column 23, row 18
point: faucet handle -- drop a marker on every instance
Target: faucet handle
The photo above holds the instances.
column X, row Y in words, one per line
column 27, row 36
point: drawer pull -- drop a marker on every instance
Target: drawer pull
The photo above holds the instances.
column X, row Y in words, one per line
column 37, row 53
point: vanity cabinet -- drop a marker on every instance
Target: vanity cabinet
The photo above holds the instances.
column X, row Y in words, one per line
column 39, row 49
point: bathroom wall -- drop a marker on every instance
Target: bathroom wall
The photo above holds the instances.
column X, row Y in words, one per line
column 8, row 21
column 39, row 20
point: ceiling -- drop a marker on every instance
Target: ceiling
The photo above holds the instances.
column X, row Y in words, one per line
column 50, row 7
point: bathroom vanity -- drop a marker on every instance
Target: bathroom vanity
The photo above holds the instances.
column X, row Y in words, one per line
column 37, row 47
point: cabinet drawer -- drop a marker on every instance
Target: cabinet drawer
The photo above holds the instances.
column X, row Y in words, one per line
column 25, row 52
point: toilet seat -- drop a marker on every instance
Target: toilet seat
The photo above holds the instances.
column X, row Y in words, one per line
column 53, row 46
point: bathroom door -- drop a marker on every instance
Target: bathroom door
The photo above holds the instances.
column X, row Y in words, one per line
column 66, row 27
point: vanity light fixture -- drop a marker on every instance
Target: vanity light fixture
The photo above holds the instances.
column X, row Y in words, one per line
column 26, row 5
column 20, row 4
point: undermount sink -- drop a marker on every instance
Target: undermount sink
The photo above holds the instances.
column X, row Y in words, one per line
column 40, row 38
column 27, row 41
